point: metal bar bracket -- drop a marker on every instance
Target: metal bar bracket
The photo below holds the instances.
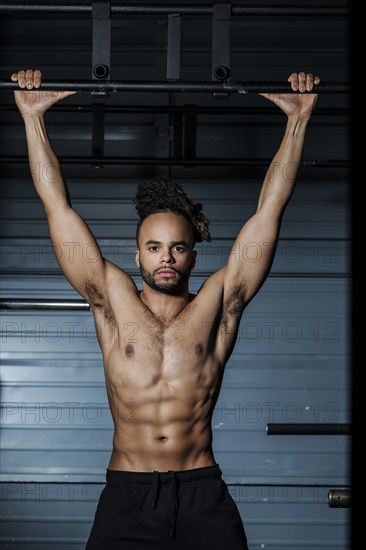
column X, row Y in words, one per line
column 101, row 52
column 221, row 41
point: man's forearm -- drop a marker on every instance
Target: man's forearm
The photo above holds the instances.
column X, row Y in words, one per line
column 281, row 176
column 44, row 165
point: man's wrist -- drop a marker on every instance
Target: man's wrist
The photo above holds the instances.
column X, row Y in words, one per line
column 32, row 116
column 299, row 119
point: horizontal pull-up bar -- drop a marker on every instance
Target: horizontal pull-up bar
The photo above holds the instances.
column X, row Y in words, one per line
column 308, row 429
column 155, row 161
column 181, row 9
column 224, row 87
column 44, row 304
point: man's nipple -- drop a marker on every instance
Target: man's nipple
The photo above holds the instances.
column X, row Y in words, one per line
column 129, row 350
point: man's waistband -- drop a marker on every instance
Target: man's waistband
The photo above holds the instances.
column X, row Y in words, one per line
column 121, row 477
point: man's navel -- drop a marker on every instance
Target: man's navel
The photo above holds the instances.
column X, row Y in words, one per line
column 198, row 349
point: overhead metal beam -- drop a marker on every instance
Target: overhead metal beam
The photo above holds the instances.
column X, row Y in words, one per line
column 145, row 161
column 155, row 9
column 184, row 87
column 308, row 429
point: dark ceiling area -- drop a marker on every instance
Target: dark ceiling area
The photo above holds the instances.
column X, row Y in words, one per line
column 134, row 134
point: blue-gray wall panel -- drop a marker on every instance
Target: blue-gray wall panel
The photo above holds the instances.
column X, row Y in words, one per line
column 291, row 362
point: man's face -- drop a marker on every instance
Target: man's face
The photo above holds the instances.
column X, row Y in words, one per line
column 165, row 255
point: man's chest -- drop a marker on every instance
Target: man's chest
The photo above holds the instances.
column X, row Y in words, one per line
column 170, row 355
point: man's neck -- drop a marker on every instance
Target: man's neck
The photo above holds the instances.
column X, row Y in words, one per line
column 162, row 305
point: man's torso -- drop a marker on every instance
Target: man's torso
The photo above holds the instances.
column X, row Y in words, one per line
column 163, row 376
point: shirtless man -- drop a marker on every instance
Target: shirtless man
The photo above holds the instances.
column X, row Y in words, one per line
column 164, row 489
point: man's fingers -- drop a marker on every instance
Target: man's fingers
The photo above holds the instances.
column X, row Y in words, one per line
column 37, row 78
column 293, row 78
column 301, row 82
column 309, row 82
column 20, row 77
column 27, row 79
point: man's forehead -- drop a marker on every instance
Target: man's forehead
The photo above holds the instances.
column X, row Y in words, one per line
column 166, row 223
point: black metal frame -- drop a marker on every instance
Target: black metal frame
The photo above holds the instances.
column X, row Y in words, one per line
column 181, row 161
column 309, row 429
column 29, row 6
column 101, row 49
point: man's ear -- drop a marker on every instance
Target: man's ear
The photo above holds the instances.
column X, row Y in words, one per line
column 137, row 257
column 194, row 255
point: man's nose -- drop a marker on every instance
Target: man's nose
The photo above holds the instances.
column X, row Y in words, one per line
column 167, row 256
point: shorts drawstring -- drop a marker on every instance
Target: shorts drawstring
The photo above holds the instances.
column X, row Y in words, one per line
column 174, row 491
column 173, row 481
column 155, row 487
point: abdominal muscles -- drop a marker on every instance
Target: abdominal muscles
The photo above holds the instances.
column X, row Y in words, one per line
column 162, row 410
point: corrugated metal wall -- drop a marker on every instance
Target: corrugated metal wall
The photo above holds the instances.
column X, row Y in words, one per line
column 291, row 362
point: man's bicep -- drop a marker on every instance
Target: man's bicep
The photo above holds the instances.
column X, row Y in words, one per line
column 76, row 250
column 251, row 257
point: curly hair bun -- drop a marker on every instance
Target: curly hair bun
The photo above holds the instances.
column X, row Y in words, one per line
column 166, row 195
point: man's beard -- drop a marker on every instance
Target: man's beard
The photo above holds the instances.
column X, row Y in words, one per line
column 173, row 287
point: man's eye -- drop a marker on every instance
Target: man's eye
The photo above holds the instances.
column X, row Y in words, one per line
column 153, row 248
column 179, row 248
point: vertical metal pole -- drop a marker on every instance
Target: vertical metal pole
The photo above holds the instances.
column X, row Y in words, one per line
column 190, row 131
column 173, row 47
column 177, row 135
column 98, row 130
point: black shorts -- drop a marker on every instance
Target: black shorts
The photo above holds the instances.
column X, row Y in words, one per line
column 180, row 510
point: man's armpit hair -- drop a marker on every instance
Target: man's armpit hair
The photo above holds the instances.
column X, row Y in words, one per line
column 235, row 302
column 95, row 296
column 97, row 300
